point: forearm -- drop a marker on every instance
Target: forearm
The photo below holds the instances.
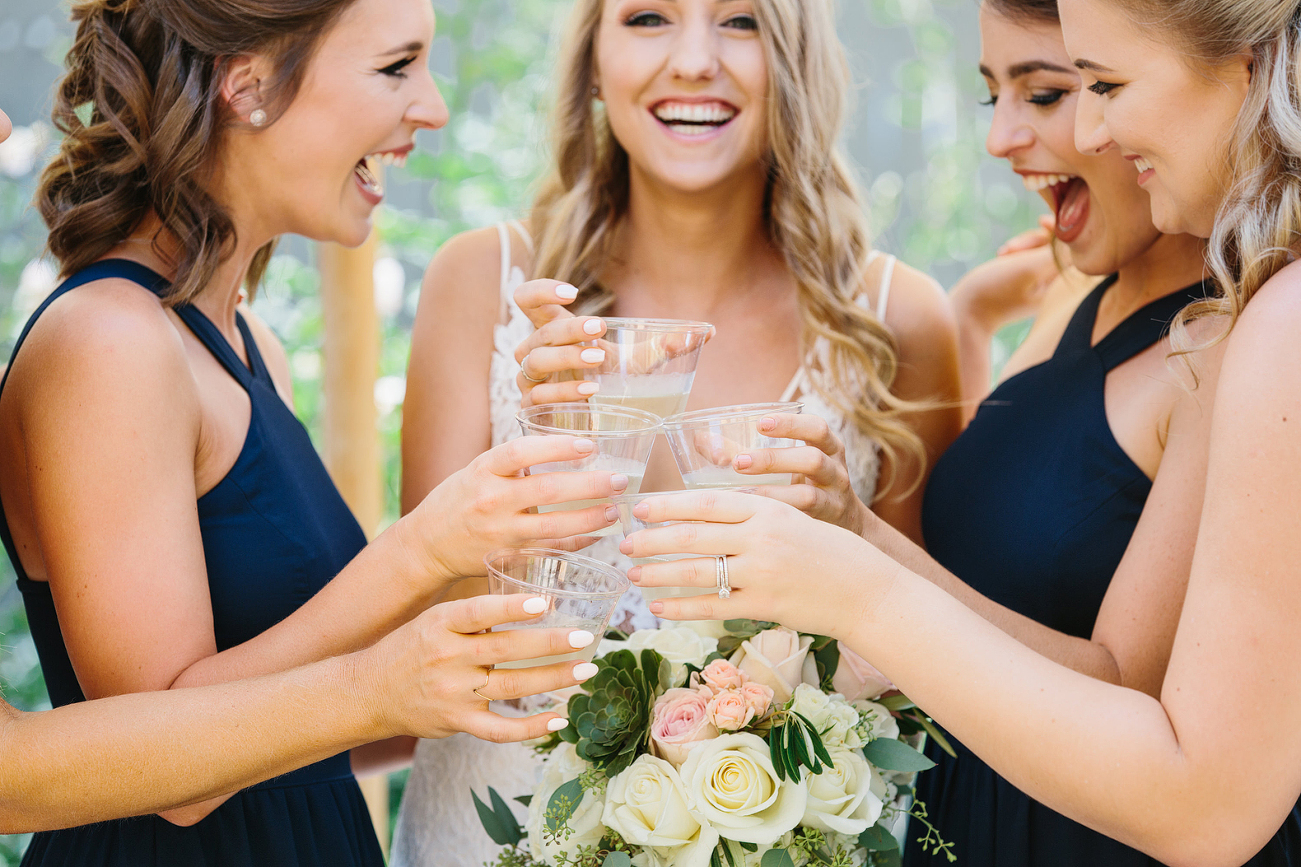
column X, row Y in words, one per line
column 146, row 752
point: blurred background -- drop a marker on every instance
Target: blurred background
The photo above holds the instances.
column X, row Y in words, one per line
column 917, row 132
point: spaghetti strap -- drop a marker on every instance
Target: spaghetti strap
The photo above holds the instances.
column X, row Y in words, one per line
column 883, row 298
column 523, row 235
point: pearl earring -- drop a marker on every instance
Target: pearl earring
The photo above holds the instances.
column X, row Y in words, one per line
column 596, row 91
column 257, row 117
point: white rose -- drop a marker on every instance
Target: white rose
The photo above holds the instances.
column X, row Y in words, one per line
column 679, row 645
column 833, row 717
column 881, row 723
column 775, row 658
column 647, row 806
column 732, row 785
column 847, row 797
column 585, row 824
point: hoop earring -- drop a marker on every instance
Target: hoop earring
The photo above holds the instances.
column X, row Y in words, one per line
column 257, row 117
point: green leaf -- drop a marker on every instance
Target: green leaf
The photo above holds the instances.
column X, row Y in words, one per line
column 891, row 755
column 750, row 847
column 776, row 858
column 524, row 799
column 934, row 731
column 896, row 703
column 726, row 846
column 573, row 790
column 819, row 749
column 492, row 823
column 828, row 659
column 877, row 839
column 889, row 858
column 617, row 859
column 508, row 820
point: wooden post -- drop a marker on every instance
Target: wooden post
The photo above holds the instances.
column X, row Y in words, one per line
column 352, row 450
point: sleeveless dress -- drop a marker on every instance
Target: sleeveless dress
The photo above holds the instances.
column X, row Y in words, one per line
column 1033, row 506
column 437, row 823
column 275, row 531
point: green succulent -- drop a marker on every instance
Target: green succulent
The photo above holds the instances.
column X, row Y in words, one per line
column 610, row 722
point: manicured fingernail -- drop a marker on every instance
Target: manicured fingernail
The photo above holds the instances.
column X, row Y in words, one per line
column 611, row 514
column 584, row 446
column 565, row 292
column 619, row 482
column 592, row 356
column 625, row 546
column 536, row 605
column 555, row 725
column 592, row 326
column 743, row 462
column 588, row 388
column 585, row 670
column 580, row 638
column 657, row 608
column 641, row 510
column 634, row 574
column 767, row 423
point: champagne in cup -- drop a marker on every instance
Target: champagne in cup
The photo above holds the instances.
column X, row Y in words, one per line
column 623, row 438
column 649, row 363
column 580, row 593
column 705, row 443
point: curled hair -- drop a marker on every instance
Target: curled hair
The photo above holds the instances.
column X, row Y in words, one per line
column 1032, row 11
column 813, row 212
column 1258, row 226
column 143, row 118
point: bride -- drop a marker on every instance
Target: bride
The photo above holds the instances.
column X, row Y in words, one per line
column 690, row 180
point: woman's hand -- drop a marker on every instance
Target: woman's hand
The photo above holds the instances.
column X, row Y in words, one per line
column 489, row 505
column 824, row 491
column 552, row 358
column 1009, row 286
column 782, row 565
column 423, row 676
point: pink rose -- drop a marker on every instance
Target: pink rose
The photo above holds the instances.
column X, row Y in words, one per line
column 775, row 658
column 721, row 674
column 758, row 697
column 679, row 721
column 729, row 711
column 856, row 678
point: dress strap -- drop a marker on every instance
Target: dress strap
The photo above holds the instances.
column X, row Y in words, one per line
column 215, row 342
column 1079, row 331
column 1147, row 325
column 883, row 295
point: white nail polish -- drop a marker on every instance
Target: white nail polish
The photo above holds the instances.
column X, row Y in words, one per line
column 580, row 638
column 592, row 356
column 557, row 724
column 585, row 670
column 536, row 605
column 592, row 326
column 565, row 292
column 588, row 388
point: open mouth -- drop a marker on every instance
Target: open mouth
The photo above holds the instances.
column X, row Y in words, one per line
column 1070, row 201
column 366, row 171
column 694, row 118
column 1143, row 166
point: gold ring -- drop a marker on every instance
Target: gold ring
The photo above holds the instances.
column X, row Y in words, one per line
column 524, row 370
column 486, row 678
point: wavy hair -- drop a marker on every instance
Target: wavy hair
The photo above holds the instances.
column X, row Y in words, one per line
column 143, row 119
column 813, row 211
column 1257, row 229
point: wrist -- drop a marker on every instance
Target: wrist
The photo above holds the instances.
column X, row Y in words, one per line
column 417, row 563
column 361, row 677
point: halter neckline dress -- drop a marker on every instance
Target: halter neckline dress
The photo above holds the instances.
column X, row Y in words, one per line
column 275, row 531
column 1033, row 507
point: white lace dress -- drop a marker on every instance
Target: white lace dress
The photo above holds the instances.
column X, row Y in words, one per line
column 437, row 823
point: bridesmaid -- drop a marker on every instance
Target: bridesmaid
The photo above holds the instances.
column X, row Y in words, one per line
column 1200, row 95
column 169, row 521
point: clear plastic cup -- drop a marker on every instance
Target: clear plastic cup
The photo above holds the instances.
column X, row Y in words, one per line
column 705, row 442
column 623, row 438
column 649, row 363
column 580, row 592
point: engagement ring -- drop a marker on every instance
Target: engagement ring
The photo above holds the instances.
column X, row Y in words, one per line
column 524, row 371
column 724, row 588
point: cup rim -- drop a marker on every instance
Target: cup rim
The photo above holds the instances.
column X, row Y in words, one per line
column 556, row 553
column 651, row 421
column 738, row 412
column 633, row 323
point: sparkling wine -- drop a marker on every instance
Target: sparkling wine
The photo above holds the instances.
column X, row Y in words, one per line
column 662, row 405
column 726, row 477
column 584, row 655
column 634, row 470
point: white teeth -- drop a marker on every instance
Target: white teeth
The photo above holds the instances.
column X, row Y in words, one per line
column 1142, row 165
column 694, row 112
column 387, row 158
column 1035, row 183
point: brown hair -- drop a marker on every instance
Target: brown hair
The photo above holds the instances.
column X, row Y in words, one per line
column 1035, row 11
column 142, row 115
column 813, row 211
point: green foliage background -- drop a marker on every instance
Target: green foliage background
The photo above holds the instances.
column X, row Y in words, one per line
column 936, row 199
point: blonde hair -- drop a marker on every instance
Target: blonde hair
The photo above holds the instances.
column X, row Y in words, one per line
column 814, row 215
column 1258, row 226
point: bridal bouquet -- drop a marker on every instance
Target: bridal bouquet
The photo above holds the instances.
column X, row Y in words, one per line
column 756, row 747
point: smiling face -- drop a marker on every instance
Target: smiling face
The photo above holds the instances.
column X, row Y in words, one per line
column 684, row 84
column 1167, row 118
column 313, row 170
column 1102, row 215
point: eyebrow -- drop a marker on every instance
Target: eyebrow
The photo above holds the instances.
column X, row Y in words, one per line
column 409, row 48
column 1092, row 67
column 1019, row 70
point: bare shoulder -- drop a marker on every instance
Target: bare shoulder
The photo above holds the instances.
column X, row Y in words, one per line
column 918, row 311
column 465, row 273
column 272, row 351
column 1261, row 354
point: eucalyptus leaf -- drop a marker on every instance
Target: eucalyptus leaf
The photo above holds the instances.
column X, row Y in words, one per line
column 888, row 858
column 776, row 858
column 557, row 815
column 523, row 799
column 891, row 755
column 508, row 820
column 492, row 823
column 617, row 859
column 877, row 839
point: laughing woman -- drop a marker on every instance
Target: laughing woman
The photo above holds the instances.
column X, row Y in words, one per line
column 1200, row 95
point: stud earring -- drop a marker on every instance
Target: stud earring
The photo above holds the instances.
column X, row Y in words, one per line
column 596, row 91
column 257, row 117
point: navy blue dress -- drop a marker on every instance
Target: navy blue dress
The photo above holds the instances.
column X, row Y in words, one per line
column 1033, row 506
column 275, row 531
